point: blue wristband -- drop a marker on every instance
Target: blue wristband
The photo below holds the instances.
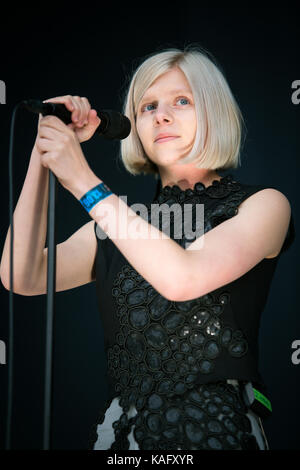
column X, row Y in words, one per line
column 94, row 195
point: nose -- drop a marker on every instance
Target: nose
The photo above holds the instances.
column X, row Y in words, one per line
column 162, row 114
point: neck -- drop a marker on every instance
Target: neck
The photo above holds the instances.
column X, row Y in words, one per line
column 188, row 180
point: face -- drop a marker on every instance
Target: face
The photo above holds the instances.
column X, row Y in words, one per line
column 167, row 108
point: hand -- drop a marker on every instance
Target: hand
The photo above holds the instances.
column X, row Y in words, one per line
column 61, row 152
column 84, row 119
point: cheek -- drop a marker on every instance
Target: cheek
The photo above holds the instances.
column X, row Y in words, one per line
column 139, row 128
column 141, row 131
column 191, row 125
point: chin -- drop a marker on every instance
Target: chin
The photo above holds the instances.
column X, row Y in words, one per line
column 166, row 154
column 166, row 161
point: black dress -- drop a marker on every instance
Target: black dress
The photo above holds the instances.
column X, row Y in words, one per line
column 172, row 362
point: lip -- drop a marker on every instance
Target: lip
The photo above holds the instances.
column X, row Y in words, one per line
column 165, row 137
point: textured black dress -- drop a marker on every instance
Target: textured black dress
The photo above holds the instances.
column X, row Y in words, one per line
column 171, row 360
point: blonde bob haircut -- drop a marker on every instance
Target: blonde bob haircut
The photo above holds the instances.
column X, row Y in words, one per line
column 218, row 136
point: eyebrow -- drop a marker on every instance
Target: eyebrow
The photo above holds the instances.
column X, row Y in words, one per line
column 172, row 92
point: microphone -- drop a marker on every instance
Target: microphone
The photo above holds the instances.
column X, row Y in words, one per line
column 114, row 125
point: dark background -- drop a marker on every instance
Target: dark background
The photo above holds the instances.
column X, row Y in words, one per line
column 90, row 51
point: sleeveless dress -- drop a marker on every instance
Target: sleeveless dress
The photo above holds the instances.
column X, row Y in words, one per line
column 176, row 370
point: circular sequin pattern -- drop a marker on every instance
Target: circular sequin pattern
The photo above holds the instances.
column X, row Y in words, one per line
column 208, row 417
column 163, row 347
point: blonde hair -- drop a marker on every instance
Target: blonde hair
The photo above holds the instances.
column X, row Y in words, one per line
column 218, row 137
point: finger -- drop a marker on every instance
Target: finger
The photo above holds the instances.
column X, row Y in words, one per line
column 87, row 108
column 77, row 111
column 80, row 109
column 67, row 100
column 45, row 145
column 94, row 118
column 53, row 122
column 47, row 157
column 49, row 132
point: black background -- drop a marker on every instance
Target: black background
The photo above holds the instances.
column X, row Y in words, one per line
column 90, row 50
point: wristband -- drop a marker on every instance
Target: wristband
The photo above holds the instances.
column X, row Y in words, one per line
column 94, row 195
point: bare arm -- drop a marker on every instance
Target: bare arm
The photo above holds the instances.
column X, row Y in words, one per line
column 75, row 257
column 30, row 227
column 179, row 274
column 235, row 246
column 30, row 214
column 75, row 262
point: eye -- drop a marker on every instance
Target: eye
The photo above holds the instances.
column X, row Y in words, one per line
column 144, row 108
column 183, row 99
column 148, row 106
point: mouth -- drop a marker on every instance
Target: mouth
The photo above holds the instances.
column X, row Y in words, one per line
column 166, row 139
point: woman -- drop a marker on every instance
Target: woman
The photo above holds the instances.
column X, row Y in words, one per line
column 180, row 313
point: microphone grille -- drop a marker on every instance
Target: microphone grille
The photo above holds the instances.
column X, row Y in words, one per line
column 118, row 126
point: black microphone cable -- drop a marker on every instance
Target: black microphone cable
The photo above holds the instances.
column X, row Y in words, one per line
column 11, row 304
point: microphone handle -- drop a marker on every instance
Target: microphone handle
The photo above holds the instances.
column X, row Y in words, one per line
column 113, row 125
column 59, row 110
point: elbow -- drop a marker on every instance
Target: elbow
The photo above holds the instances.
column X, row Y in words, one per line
column 186, row 291
column 167, row 291
column 177, row 296
column 185, row 296
column 16, row 288
column 179, row 290
column 176, row 293
column 4, row 279
column 171, row 297
column 20, row 287
column 6, row 285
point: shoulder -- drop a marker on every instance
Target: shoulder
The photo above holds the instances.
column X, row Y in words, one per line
column 234, row 246
column 268, row 195
column 268, row 199
column 271, row 209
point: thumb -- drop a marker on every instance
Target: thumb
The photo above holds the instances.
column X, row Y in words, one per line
column 86, row 132
column 93, row 119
